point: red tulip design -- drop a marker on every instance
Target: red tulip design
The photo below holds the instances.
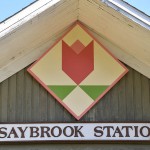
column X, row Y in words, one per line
column 77, row 60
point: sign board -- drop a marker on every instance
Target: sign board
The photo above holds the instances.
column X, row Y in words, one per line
column 75, row 132
column 77, row 70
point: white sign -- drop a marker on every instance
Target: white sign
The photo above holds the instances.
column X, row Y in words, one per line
column 75, row 132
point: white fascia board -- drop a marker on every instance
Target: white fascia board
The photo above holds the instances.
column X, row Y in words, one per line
column 129, row 11
column 25, row 15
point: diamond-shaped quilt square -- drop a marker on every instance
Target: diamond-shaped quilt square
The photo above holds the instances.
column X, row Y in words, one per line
column 77, row 70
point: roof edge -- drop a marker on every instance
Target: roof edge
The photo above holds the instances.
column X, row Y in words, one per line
column 4, row 20
column 130, row 12
column 25, row 15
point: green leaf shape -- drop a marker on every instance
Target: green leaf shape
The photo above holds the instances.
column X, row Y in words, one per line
column 62, row 90
column 94, row 91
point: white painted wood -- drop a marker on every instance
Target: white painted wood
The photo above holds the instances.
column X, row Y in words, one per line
column 25, row 15
column 121, row 54
column 28, row 57
column 75, row 132
column 128, row 14
column 25, row 44
column 133, row 39
column 36, row 31
column 22, row 45
column 129, row 9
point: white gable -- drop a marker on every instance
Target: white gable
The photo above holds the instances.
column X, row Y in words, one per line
column 24, row 37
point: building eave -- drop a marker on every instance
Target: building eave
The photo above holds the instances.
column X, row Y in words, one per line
column 25, row 15
column 130, row 12
column 23, row 41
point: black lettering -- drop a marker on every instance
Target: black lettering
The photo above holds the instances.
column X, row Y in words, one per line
column 34, row 132
column 59, row 131
column 98, row 131
column 78, row 131
column 148, row 131
column 127, row 130
column 13, row 132
column 3, row 132
column 108, row 130
column 117, row 131
column 45, row 130
column 67, row 133
column 22, row 131
column 136, row 131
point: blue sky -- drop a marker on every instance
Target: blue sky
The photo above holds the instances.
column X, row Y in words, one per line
column 9, row 7
column 143, row 5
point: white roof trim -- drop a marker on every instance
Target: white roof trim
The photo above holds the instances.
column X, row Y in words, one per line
column 25, row 15
column 130, row 12
column 33, row 37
